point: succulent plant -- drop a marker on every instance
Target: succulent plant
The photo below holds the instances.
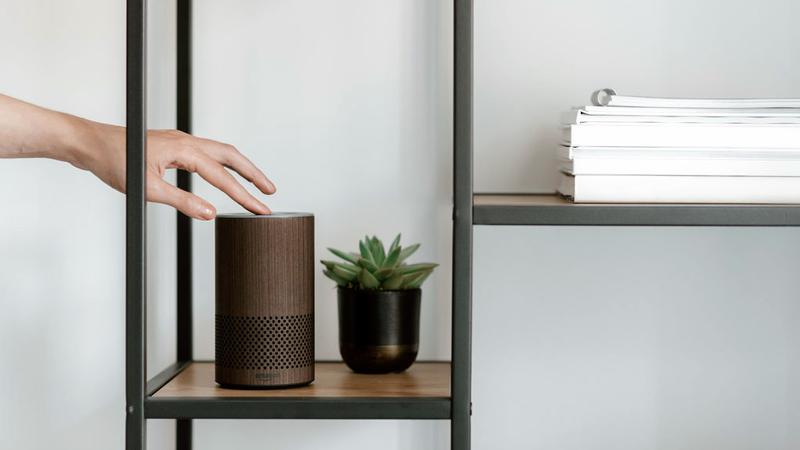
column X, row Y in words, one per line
column 375, row 267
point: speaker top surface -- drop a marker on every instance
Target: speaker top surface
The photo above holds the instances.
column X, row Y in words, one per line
column 274, row 215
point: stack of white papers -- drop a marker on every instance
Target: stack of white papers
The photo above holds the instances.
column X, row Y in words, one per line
column 626, row 149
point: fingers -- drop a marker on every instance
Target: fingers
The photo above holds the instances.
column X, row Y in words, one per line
column 214, row 173
column 160, row 191
column 228, row 156
column 209, row 159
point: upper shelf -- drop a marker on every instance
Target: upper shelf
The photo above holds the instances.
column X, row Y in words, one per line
column 551, row 209
column 421, row 392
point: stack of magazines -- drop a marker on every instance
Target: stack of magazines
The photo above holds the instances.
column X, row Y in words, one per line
column 624, row 149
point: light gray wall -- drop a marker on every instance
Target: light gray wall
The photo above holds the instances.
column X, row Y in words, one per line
column 535, row 59
column 62, row 232
column 636, row 338
column 607, row 338
column 628, row 338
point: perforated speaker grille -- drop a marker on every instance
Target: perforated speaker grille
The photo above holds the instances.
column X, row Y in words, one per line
column 265, row 343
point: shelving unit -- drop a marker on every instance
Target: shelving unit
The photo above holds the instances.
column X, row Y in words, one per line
column 430, row 390
column 186, row 390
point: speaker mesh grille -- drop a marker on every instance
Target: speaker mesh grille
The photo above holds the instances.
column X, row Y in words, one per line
column 265, row 343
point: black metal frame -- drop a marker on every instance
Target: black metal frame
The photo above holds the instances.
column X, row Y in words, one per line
column 140, row 402
column 637, row 215
column 299, row 408
column 136, row 220
column 185, row 350
column 461, row 366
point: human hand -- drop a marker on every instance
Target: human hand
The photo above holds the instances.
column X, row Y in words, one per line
column 103, row 154
column 29, row 131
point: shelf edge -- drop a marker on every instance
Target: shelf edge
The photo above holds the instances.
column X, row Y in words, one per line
column 638, row 215
column 354, row 408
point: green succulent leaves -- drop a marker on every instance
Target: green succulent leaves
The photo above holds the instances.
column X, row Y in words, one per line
column 375, row 267
column 352, row 259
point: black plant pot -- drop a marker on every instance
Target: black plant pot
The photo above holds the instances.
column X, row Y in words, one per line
column 378, row 330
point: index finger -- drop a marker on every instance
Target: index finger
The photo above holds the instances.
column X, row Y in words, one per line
column 230, row 157
column 214, row 173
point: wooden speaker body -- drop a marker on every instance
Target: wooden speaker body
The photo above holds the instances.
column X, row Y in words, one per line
column 264, row 300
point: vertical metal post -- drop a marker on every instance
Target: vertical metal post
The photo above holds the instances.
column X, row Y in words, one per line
column 462, row 227
column 183, row 427
column 135, row 217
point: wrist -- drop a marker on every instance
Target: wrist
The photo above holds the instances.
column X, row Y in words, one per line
column 81, row 140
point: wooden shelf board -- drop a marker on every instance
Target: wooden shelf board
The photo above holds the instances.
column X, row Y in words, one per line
column 519, row 200
column 333, row 379
column 188, row 390
column 552, row 209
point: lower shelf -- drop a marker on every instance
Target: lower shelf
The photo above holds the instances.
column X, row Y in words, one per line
column 422, row 392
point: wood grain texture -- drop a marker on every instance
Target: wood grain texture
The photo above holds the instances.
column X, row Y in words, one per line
column 265, row 299
column 333, row 379
column 265, row 265
column 519, row 200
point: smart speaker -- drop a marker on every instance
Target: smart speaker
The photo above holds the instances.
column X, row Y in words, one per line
column 264, row 300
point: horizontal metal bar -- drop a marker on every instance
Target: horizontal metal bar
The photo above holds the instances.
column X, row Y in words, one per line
column 297, row 408
column 165, row 376
column 638, row 215
column 329, row 361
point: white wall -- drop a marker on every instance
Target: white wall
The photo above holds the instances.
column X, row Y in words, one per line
column 346, row 106
column 628, row 338
column 535, row 59
column 636, row 338
column 603, row 337
column 62, row 232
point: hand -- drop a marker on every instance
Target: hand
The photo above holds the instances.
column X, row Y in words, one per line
column 104, row 156
column 28, row 131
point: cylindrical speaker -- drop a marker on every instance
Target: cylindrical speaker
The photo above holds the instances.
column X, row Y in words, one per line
column 264, row 300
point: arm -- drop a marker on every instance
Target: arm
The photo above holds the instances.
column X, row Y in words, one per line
column 28, row 131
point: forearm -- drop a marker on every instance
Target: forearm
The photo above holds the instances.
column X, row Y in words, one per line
column 28, row 131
